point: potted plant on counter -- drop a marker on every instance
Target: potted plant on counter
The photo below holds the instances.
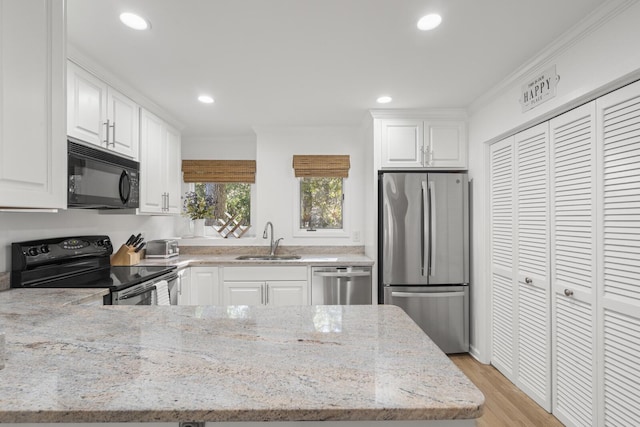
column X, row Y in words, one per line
column 198, row 206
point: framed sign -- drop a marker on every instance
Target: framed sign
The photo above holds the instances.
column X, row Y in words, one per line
column 540, row 89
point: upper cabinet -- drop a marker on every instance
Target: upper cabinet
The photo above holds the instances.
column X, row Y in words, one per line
column 100, row 115
column 423, row 143
column 32, row 131
column 160, row 157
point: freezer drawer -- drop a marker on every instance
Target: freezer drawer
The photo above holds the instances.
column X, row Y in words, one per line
column 441, row 311
column 340, row 285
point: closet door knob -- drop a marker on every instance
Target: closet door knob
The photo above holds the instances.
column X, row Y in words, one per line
column 528, row 280
column 568, row 292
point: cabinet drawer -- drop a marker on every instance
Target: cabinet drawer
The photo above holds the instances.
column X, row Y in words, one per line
column 265, row 273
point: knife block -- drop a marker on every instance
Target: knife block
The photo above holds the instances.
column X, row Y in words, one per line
column 125, row 256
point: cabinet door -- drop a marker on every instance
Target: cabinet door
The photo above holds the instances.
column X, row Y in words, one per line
column 152, row 163
column 618, row 127
column 184, row 286
column 573, row 274
column 402, row 143
column 86, row 106
column 502, row 181
column 32, row 125
column 243, row 293
column 532, row 254
column 124, row 122
column 204, row 288
column 287, row 293
column 446, row 144
column 173, row 171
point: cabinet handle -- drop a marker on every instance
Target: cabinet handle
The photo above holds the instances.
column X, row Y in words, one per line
column 266, row 295
column 528, row 280
column 106, row 125
column 568, row 292
column 113, row 135
column 168, row 195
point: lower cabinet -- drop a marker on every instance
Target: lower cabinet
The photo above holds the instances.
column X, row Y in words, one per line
column 199, row 286
column 265, row 286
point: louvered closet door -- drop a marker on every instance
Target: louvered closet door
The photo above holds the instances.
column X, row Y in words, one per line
column 502, row 256
column 533, row 360
column 618, row 125
column 572, row 183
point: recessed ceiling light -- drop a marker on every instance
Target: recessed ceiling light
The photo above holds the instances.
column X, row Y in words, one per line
column 384, row 100
column 429, row 22
column 134, row 21
column 205, row 99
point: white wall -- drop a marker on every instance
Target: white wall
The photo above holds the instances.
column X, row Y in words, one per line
column 277, row 186
column 220, row 148
column 587, row 66
column 17, row 227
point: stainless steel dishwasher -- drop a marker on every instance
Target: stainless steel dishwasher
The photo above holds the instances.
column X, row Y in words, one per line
column 340, row 285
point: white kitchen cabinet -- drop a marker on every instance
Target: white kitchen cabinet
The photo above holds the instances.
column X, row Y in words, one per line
column 200, row 286
column 618, row 255
column 184, row 286
column 572, row 167
column 275, row 285
column 32, row 125
column 419, row 143
column 520, row 268
column 160, row 172
column 100, row 115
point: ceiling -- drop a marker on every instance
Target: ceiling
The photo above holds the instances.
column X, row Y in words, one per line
column 313, row 62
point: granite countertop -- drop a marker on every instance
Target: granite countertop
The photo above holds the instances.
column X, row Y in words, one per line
column 173, row 363
column 50, row 296
column 195, row 260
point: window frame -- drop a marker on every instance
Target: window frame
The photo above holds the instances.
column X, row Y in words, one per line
column 324, row 232
column 211, row 232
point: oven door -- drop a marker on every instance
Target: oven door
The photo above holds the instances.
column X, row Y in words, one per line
column 142, row 294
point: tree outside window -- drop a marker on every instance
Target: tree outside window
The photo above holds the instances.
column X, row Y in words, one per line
column 321, row 203
column 232, row 198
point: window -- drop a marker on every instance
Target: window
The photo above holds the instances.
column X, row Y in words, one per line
column 231, row 198
column 227, row 186
column 321, row 203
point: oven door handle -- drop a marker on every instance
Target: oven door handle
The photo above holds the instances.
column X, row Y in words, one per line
column 141, row 292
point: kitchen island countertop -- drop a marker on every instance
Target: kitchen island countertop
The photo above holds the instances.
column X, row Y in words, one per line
column 173, row 363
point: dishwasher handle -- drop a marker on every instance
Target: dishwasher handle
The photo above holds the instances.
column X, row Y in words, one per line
column 427, row 294
column 342, row 273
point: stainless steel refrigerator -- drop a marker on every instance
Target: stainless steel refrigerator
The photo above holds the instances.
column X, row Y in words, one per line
column 424, row 252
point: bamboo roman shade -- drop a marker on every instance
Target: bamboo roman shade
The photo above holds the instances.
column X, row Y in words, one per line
column 322, row 166
column 222, row 171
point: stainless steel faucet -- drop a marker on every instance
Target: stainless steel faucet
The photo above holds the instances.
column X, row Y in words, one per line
column 273, row 246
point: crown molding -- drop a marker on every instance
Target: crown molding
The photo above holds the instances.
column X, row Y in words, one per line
column 429, row 113
column 575, row 34
column 82, row 60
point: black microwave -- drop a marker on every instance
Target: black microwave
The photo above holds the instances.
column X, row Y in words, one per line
column 101, row 180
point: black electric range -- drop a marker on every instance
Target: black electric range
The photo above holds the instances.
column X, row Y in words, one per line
column 77, row 262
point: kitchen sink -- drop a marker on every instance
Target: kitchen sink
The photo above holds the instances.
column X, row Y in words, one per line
column 267, row 257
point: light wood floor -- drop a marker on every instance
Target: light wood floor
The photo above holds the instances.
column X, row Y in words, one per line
column 505, row 404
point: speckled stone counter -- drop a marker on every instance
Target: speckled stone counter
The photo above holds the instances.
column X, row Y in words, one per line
column 230, row 260
column 51, row 297
column 174, row 363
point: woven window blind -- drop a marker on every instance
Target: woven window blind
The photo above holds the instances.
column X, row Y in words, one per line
column 222, row 171
column 322, row 166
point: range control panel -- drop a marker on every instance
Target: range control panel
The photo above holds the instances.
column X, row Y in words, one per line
column 48, row 251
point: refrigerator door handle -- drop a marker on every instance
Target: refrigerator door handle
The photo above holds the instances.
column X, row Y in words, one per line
column 432, row 227
column 424, row 227
column 427, row 294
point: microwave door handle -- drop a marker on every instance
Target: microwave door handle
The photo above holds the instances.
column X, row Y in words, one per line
column 125, row 187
